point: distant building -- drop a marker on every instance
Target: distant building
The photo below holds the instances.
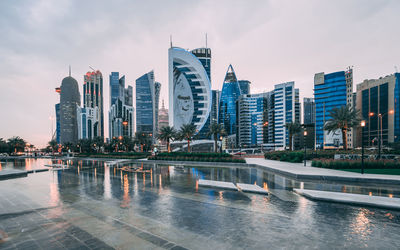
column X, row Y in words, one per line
column 227, row 102
column 380, row 98
column 287, row 110
column 309, row 121
column 330, row 91
column 244, row 86
column 147, row 97
column 190, row 97
column 163, row 120
column 121, row 113
column 91, row 116
column 216, row 94
column 69, row 102
column 251, row 119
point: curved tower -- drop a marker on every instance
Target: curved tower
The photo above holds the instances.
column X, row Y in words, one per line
column 69, row 102
column 189, row 89
column 227, row 104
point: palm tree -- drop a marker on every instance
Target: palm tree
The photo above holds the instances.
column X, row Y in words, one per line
column 4, row 148
column 17, row 144
column 143, row 140
column 216, row 130
column 53, row 145
column 167, row 134
column 128, row 143
column 186, row 133
column 293, row 128
column 342, row 118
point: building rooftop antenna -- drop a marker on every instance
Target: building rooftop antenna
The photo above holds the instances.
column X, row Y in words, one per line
column 69, row 70
column 170, row 40
column 396, row 69
column 92, row 68
column 206, row 51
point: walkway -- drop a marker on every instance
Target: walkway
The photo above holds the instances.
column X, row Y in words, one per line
column 298, row 171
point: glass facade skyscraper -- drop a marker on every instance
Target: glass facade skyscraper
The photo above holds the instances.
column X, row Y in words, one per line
column 379, row 98
column 91, row 116
column 120, row 116
column 244, row 87
column 147, row 96
column 330, row 91
column 190, row 89
column 287, row 110
column 70, row 101
column 227, row 102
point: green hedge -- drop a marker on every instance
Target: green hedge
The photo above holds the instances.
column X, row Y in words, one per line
column 201, row 157
column 351, row 164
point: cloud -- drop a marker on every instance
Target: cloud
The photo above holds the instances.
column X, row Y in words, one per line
column 267, row 42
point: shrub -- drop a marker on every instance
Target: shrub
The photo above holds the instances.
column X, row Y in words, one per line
column 352, row 164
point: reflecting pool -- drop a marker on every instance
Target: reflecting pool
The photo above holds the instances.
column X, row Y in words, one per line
column 107, row 204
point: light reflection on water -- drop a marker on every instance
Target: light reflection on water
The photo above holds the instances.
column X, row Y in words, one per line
column 171, row 195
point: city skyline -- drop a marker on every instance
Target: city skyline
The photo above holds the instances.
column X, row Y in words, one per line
column 274, row 44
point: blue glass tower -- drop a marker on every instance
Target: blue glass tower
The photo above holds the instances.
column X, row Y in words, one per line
column 227, row 104
column 329, row 92
column 147, row 96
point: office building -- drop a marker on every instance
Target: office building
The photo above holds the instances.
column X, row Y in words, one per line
column 286, row 110
column 379, row 103
column 309, row 121
column 91, row 116
column 227, row 102
column 244, row 86
column 190, row 97
column 215, row 106
column 147, row 97
column 253, row 118
column 330, row 91
column 121, row 113
column 69, row 103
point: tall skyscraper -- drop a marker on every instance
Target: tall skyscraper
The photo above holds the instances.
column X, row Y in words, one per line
column 147, row 97
column 244, row 86
column 379, row 103
column 120, row 116
column 330, row 91
column 287, row 110
column 227, row 103
column 190, row 97
column 309, row 110
column 91, row 116
column 69, row 103
column 309, row 121
column 216, row 94
column 252, row 121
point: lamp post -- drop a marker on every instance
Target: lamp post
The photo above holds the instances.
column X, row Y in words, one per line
column 220, row 150
column 362, row 146
column 380, row 129
column 305, row 148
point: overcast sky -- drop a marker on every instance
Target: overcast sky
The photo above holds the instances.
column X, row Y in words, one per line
column 267, row 42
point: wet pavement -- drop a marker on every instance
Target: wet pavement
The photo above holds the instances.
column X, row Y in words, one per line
column 100, row 205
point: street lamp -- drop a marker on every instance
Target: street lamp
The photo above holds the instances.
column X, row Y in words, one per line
column 220, row 138
column 380, row 129
column 305, row 148
column 362, row 146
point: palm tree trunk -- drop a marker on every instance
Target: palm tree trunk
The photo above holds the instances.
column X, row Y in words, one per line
column 215, row 144
column 344, row 138
column 188, row 141
column 290, row 142
column 168, row 147
column 141, row 148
